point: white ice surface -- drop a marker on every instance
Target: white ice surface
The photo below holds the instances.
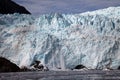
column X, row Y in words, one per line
column 63, row 41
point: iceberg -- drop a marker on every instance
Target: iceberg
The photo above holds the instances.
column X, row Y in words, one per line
column 62, row 40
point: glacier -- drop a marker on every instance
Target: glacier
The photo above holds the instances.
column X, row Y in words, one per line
column 62, row 40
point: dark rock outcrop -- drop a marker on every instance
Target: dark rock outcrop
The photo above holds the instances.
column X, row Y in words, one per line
column 25, row 69
column 10, row 7
column 7, row 66
column 118, row 68
column 79, row 67
column 37, row 65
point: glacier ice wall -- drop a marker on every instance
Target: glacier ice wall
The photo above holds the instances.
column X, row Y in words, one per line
column 63, row 40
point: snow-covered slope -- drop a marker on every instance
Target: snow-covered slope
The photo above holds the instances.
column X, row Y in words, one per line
column 63, row 41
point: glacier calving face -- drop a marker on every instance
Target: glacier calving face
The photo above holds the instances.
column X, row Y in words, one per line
column 63, row 41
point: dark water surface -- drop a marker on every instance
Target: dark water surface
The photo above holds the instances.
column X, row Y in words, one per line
column 63, row 75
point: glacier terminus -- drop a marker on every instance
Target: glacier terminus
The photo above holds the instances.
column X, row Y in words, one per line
column 62, row 40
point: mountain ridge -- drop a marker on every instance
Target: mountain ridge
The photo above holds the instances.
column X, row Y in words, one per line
column 10, row 7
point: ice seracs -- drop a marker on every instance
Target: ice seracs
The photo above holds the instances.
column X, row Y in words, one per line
column 63, row 41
